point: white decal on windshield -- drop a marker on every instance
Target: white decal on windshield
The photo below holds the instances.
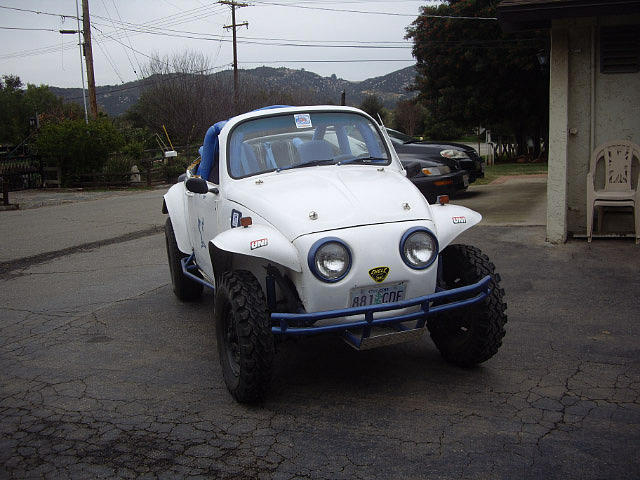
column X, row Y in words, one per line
column 303, row 120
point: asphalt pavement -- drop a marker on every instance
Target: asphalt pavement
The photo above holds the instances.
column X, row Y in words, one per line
column 105, row 374
column 51, row 223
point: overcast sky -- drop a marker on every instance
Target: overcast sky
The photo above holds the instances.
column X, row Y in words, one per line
column 124, row 33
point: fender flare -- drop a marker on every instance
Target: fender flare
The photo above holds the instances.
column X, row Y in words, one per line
column 173, row 204
column 451, row 221
column 261, row 241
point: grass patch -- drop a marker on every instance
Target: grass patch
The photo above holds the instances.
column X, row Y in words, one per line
column 501, row 169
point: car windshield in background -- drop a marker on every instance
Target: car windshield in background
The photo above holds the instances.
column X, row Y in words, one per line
column 293, row 140
column 399, row 138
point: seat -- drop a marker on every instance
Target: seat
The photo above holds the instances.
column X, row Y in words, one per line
column 244, row 164
column 314, row 150
column 620, row 182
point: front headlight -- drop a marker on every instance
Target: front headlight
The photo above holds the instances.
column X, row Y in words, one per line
column 453, row 154
column 441, row 170
column 418, row 248
column 329, row 259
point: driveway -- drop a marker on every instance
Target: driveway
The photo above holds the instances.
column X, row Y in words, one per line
column 104, row 374
column 512, row 200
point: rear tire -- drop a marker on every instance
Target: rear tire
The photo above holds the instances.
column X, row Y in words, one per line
column 471, row 335
column 186, row 290
column 243, row 331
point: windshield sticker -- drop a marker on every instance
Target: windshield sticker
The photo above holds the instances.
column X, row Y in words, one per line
column 379, row 274
column 263, row 242
column 303, row 120
column 459, row 220
column 235, row 218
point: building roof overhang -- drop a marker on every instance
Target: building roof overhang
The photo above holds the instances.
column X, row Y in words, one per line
column 516, row 15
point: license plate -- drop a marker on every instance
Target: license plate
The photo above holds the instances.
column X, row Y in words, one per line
column 465, row 180
column 375, row 295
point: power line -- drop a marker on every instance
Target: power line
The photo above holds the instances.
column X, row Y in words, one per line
column 368, row 12
column 118, row 41
column 109, row 59
column 29, row 29
column 260, row 62
column 39, row 12
column 216, row 38
column 126, row 52
column 128, row 39
column 186, row 16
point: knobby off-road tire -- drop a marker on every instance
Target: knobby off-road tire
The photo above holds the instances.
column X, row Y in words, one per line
column 469, row 335
column 185, row 289
column 243, row 331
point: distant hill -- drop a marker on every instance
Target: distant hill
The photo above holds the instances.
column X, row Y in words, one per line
column 117, row 99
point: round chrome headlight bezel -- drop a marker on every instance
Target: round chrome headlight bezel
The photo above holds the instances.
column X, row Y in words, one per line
column 408, row 236
column 317, row 250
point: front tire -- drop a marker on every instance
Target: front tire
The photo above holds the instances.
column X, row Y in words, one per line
column 471, row 335
column 186, row 290
column 243, row 331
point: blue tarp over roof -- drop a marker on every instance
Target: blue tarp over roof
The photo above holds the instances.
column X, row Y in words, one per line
column 210, row 147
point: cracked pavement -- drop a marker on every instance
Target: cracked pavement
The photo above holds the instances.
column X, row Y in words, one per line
column 104, row 374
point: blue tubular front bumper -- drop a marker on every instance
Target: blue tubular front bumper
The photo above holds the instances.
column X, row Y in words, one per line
column 304, row 322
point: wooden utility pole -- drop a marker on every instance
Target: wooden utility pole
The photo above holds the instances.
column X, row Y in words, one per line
column 88, row 56
column 233, row 26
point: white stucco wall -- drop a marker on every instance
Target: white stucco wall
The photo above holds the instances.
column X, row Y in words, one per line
column 587, row 108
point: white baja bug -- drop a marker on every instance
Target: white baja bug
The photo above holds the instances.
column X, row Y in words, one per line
column 303, row 222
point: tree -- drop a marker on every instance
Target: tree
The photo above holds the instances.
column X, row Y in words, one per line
column 408, row 117
column 182, row 95
column 19, row 105
column 470, row 73
column 13, row 122
column 78, row 147
column 374, row 107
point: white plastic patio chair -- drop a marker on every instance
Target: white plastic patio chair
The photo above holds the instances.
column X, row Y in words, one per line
column 620, row 189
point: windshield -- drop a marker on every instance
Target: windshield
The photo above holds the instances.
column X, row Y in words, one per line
column 294, row 140
column 399, row 138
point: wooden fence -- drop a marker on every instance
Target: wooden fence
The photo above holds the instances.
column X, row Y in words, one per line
column 24, row 171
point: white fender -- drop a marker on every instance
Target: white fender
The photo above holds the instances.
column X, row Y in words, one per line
column 452, row 220
column 174, row 203
column 261, row 241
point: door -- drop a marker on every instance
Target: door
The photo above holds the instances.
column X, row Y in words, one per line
column 203, row 226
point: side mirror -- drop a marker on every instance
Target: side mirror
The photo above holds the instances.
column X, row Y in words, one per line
column 197, row 185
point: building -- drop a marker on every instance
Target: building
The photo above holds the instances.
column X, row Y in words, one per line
column 594, row 94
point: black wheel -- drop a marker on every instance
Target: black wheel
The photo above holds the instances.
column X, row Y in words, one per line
column 185, row 289
column 243, row 330
column 471, row 335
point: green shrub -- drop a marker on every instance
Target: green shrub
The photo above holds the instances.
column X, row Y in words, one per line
column 78, row 147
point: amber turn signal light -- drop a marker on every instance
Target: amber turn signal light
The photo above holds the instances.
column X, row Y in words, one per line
column 245, row 221
column 443, row 199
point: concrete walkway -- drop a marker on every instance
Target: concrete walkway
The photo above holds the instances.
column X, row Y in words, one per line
column 511, row 201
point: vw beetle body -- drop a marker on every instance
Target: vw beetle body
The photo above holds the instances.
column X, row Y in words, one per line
column 312, row 206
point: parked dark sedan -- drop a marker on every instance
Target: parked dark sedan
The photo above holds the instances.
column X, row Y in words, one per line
column 456, row 155
column 432, row 178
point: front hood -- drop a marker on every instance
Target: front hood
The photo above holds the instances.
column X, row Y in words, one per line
column 340, row 196
column 445, row 145
column 406, row 158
